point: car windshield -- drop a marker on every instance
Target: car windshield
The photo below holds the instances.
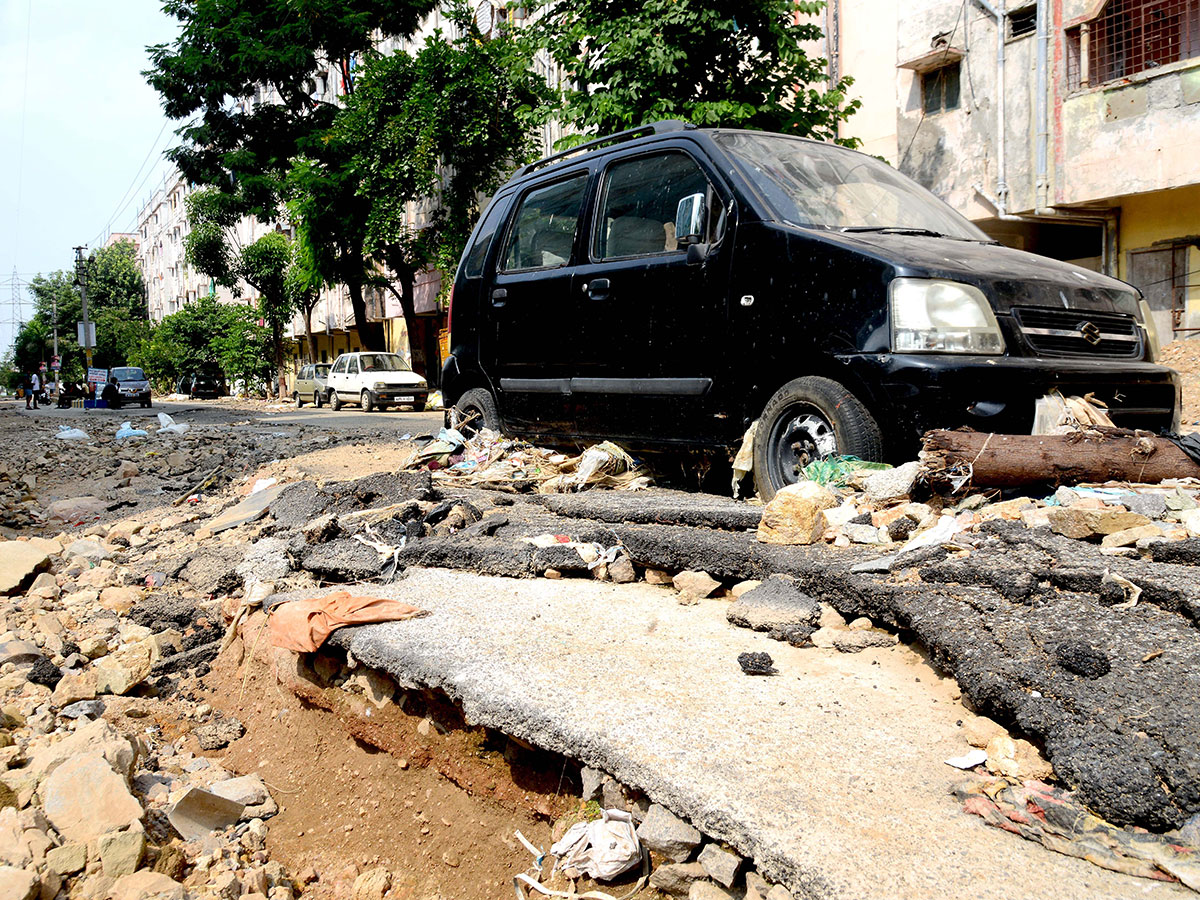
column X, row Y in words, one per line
column 825, row 186
column 129, row 373
column 382, row 362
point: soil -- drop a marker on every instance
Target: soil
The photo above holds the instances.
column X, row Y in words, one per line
column 1183, row 356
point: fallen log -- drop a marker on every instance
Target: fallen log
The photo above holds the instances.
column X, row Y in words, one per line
column 1097, row 454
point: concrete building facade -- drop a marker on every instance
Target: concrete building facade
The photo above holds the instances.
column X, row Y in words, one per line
column 1064, row 127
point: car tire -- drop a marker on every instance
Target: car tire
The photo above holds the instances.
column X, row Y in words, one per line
column 335, row 402
column 317, row 399
column 808, row 419
column 480, row 403
column 366, row 400
column 299, row 401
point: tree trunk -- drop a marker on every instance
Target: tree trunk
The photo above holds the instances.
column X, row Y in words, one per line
column 306, row 311
column 280, row 375
column 405, row 295
column 370, row 334
column 1015, row 460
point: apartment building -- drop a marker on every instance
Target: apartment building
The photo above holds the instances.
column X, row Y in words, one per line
column 1064, row 127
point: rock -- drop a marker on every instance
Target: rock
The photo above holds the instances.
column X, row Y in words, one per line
column 198, row 813
column 92, row 551
column 779, row 892
column 1130, row 536
column 18, row 884
column 76, row 509
column 83, row 709
column 19, row 653
column 67, row 859
column 706, row 890
column 721, row 865
column 743, row 587
column 226, row 885
column 248, row 790
column 119, row 599
column 84, row 798
column 693, row 586
column 862, row 534
column 20, row 561
column 13, row 849
column 97, row 738
column 374, row 685
column 675, row 879
column 372, row 884
column 892, row 485
column 219, row 734
column 44, row 587
column 1016, row 759
column 93, row 647
column 979, row 731
column 621, row 570
column 147, row 885
column 72, row 688
column 172, row 861
column 127, row 469
column 756, row 663
column 757, row 887
column 44, row 672
column 120, row 672
column 796, row 635
column 657, row 576
column 796, row 514
column 777, row 601
column 1080, row 522
column 121, row 853
column 1152, row 506
column 668, row 835
column 255, row 882
column 855, row 641
column 1082, row 659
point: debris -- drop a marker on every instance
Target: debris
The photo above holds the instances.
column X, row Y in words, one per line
column 303, row 625
column 694, row 586
column 602, row 849
column 128, row 431
column 839, row 471
column 796, row 514
column 198, row 813
column 1082, row 659
column 743, row 462
column 893, row 485
column 667, row 834
column 968, row 760
column 167, row 425
column 777, row 601
column 66, row 433
column 757, row 663
column 721, row 865
column 252, row 508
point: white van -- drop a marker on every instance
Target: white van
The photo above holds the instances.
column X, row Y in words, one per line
column 375, row 380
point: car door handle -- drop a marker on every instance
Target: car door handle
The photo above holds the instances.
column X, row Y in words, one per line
column 597, row 288
column 499, row 297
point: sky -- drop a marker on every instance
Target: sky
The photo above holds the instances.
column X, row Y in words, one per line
column 93, row 131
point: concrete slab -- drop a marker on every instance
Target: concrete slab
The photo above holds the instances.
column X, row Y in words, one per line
column 829, row 775
column 250, row 509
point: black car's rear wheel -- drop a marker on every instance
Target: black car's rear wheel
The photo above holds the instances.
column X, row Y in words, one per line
column 809, row 419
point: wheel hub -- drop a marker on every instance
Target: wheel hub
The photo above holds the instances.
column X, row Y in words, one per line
column 801, row 440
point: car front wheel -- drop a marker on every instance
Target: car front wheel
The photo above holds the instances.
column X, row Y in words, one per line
column 367, row 401
column 806, row 420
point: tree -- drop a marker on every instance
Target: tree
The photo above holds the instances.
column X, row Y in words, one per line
column 183, row 342
column 734, row 63
column 227, row 53
column 244, row 348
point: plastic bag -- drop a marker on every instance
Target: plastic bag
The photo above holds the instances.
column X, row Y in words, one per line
column 128, row 431
column 71, row 434
column 166, row 425
column 743, row 463
column 602, row 849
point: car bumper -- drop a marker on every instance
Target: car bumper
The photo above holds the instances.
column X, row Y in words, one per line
column 402, row 397
column 918, row 392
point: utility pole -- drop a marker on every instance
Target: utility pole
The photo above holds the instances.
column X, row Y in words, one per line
column 81, row 277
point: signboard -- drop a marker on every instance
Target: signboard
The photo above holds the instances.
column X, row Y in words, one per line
column 97, row 376
column 55, row 363
column 90, row 339
column 41, row 367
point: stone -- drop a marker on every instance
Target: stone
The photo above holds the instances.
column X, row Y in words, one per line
column 979, row 731
column 76, row 509
column 18, row 884
column 593, row 783
column 756, row 663
column 84, row 798
column 19, row 653
column 121, row 852
column 1082, row 659
column 226, row 885
column 1038, row 517
column 126, row 469
column 657, row 576
column 377, row 687
column 796, row 515
column 706, row 890
column 757, row 887
column 1152, row 506
column 119, row 599
column 893, row 485
column 67, row 859
column 13, row 849
column 675, row 879
column 1130, row 536
column 44, row 672
column 743, row 587
column 120, row 672
column 855, row 641
column 83, row 709
column 20, row 562
column 721, row 865
column 172, row 861
column 147, row 885
column 372, row 884
column 255, row 882
column 92, row 551
column 693, row 586
column 198, row 813
column 93, row 647
column 219, row 734
column 45, row 587
column 1081, row 523
column 668, row 835
column 248, row 790
column 621, row 570
column 97, row 738
column 862, row 534
column 779, row 892
column 72, row 688
column 777, row 601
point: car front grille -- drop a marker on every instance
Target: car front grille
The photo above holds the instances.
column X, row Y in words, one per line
column 1079, row 332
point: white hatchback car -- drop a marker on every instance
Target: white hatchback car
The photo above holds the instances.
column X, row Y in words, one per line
column 375, row 380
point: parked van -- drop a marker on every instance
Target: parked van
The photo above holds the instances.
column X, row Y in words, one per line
column 668, row 286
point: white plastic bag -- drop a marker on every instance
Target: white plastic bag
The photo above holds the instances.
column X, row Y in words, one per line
column 166, row 425
column 128, row 431
column 602, row 849
column 71, row 434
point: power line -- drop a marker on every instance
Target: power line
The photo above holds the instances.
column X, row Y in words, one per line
column 127, row 197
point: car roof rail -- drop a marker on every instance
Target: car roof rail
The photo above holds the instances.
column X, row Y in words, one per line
column 665, row 126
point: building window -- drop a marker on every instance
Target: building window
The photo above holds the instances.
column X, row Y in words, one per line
column 1132, row 36
column 1022, row 22
column 940, row 89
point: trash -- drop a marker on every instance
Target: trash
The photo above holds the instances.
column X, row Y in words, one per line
column 1056, row 414
column 743, row 463
column 167, row 425
column 262, row 484
column 71, row 434
column 198, row 813
column 968, row 760
column 303, row 625
column 757, row 663
column 128, row 431
column 839, row 471
column 602, row 849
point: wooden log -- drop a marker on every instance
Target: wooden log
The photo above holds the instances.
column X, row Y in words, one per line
column 1013, row 460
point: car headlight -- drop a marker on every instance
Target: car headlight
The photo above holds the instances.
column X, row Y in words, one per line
column 935, row 316
column 422, row 385
column 378, row 386
column 1147, row 319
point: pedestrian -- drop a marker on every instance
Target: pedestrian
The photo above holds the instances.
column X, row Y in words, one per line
column 35, row 386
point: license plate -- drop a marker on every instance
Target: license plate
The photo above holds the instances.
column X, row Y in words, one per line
column 405, row 399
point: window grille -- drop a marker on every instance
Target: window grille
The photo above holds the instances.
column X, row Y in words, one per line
column 1022, row 22
column 1131, row 36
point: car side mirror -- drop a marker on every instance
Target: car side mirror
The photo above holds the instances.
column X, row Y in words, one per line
column 689, row 220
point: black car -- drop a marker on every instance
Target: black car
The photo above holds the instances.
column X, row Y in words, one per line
column 201, row 384
column 668, row 286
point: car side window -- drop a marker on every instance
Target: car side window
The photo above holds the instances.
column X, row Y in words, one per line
column 639, row 202
column 543, row 231
column 483, row 239
column 352, row 367
column 304, row 373
column 339, row 365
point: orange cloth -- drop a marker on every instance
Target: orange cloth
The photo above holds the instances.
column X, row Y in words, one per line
column 303, row 625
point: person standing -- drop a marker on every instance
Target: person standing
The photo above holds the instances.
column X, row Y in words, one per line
column 35, row 386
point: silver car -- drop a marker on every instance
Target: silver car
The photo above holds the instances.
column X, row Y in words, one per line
column 311, row 384
column 132, row 385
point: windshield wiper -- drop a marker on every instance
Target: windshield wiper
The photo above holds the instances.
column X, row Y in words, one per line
column 896, row 229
